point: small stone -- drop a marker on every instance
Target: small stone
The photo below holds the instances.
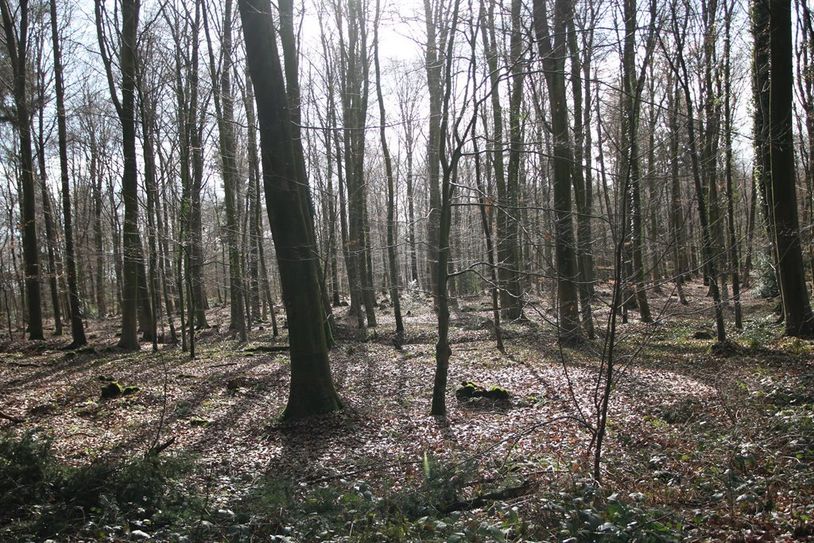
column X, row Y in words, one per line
column 226, row 513
column 140, row 535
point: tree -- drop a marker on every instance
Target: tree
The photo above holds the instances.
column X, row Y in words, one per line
column 629, row 148
column 51, row 232
column 437, row 38
column 679, row 67
column 125, row 108
column 391, row 190
column 355, row 82
column 17, row 44
column 507, row 184
column 224, row 107
column 728, row 159
column 782, row 191
column 77, row 327
column 582, row 181
column 449, row 155
column 553, row 57
column 311, row 390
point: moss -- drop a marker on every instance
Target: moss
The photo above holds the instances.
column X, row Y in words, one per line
column 469, row 390
column 112, row 390
column 498, row 393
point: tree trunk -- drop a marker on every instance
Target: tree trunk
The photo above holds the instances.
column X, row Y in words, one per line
column 224, row 107
column 782, row 191
column 17, row 47
column 682, row 75
column 253, row 194
column 507, row 211
column 432, row 15
column 631, row 161
column 311, row 389
column 730, row 197
column 676, row 213
column 392, row 258
column 582, row 190
column 553, row 57
column 77, row 327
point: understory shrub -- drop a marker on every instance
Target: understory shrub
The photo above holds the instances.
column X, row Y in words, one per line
column 41, row 496
column 585, row 515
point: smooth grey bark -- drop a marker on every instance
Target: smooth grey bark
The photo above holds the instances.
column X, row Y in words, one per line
column 16, row 38
column 77, row 327
column 311, row 390
column 125, row 108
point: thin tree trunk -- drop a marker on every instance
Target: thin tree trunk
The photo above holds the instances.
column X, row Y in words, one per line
column 581, row 190
column 51, row 232
column 77, row 327
column 679, row 67
column 224, row 108
column 392, row 258
column 730, row 197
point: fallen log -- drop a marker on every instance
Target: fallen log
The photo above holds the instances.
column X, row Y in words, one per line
column 526, row 487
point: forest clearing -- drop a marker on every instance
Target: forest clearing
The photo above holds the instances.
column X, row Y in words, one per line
column 701, row 446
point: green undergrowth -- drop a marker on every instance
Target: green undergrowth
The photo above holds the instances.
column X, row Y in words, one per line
column 40, row 497
column 442, row 507
column 584, row 513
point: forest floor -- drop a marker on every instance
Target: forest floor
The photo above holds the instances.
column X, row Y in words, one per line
column 702, row 445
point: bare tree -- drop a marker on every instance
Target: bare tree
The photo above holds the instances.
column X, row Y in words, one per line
column 311, row 390
column 16, row 30
column 77, row 327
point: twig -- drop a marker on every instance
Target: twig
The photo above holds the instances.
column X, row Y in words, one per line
column 13, row 419
column 526, row 487
column 266, row 349
column 155, row 451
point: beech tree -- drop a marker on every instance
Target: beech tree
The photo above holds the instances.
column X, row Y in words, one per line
column 311, row 390
column 224, row 108
column 780, row 179
column 553, row 54
column 125, row 108
column 392, row 258
column 77, row 327
column 16, row 30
